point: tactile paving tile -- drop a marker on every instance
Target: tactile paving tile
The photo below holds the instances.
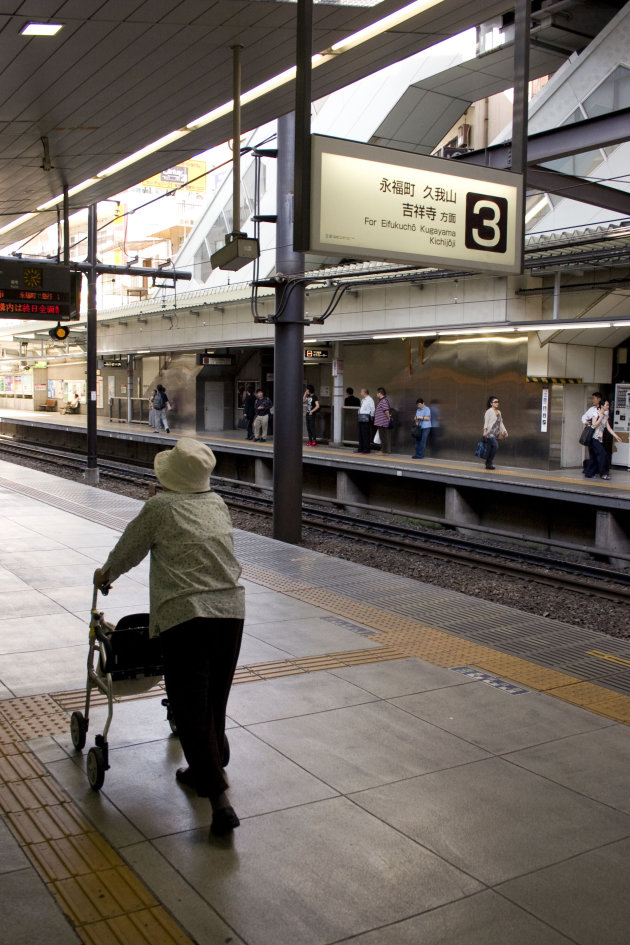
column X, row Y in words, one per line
column 144, row 927
column 48, row 823
column 101, row 895
column 32, row 716
column 72, row 856
column 29, row 794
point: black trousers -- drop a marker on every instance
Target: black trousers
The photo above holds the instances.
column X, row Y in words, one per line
column 199, row 663
column 365, row 436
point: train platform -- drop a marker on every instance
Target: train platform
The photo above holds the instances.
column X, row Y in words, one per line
column 409, row 764
column 565, row 480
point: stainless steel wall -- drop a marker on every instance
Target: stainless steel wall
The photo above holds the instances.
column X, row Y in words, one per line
column 456, row 378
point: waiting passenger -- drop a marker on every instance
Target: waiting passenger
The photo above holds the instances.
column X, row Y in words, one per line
column 311, row 401
column 249, row 410
column 599, row 461
column 493, row 429
column 160, row 406
column 351, row 399
column 72, row 406
column 587, row 419
column 151, row 410
column 383, row 420
column 422, row 427
column 197, row 608
column 262, row 409
column 364, row 419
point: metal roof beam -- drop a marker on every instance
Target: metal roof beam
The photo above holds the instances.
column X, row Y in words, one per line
column 603, row 132
column 576, row 188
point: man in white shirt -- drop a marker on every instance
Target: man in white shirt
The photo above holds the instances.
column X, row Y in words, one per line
column 587, row 418
column 364, row 418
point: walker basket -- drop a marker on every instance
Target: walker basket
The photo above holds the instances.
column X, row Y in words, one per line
column 131, row 656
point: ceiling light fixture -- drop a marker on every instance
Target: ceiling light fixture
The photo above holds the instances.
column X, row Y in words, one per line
column 351, row 42
column 41, row 29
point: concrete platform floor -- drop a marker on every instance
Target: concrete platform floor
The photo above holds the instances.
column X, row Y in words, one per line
column 385, row 799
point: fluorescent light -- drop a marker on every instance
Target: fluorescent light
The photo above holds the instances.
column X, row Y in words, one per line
column 143, row 152
column 41, row 29
column 14, row 223
column 214, row 115
column 485, row 338
column 401, row 335
column 382, row 25
column 475, row 331
column 351, row 42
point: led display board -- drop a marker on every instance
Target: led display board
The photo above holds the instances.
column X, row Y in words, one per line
column 45, row 292
column 369, row 202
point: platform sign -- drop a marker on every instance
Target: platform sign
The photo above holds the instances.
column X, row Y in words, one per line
column 378, row 203
column 315, row 354
column 42, row 292
column 544, row 410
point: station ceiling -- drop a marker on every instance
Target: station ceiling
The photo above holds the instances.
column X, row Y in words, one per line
column 122, row 74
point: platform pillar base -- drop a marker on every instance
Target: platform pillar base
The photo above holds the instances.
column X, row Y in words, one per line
column 348, row 489
column 457, row 509
column 610, row 535
column 263, row 472
column 92, row 476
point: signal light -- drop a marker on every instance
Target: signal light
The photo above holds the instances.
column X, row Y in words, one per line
column 59, row 332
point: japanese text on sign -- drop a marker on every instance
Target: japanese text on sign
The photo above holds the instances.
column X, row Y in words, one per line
column 386, row 204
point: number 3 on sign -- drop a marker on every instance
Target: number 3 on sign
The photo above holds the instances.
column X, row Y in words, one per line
column 486, row 222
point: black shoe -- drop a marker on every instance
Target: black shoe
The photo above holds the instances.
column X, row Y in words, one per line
column 491, row 467
column 224, row 821
column 185, row 776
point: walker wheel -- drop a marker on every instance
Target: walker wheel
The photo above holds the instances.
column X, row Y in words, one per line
column 96, row 768
column 78, row 730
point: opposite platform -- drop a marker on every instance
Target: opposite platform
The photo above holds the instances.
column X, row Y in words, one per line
column 406, row 766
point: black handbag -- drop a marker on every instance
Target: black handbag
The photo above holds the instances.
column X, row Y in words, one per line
column 586, row 435
column 416, row 431
column 482, row 449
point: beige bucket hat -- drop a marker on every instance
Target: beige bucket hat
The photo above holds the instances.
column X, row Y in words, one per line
column 187, row 467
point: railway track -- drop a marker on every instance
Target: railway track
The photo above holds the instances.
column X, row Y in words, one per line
column 578, row 577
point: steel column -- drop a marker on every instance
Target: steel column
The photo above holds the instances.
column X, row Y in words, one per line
column 289, row 353
column 91, row 472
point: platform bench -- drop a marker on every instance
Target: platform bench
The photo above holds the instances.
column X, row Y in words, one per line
column 50, row 404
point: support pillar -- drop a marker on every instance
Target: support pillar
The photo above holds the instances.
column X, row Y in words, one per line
column 91, row 472
column 336, row 433
column 289, row 354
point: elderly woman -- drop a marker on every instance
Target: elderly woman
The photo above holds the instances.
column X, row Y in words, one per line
column 197, row 608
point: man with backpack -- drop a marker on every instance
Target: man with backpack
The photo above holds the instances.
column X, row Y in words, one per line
column 159, row 402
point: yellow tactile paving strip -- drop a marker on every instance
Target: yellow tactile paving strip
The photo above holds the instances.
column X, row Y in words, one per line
column 102, row 898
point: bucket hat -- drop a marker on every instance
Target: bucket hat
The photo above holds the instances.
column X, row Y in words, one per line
column 185, row 468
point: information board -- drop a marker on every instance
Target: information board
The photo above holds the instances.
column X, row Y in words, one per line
column 370, row 202
column 45, row 292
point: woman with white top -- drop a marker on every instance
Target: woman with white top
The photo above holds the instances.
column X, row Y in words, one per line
column 493, row 430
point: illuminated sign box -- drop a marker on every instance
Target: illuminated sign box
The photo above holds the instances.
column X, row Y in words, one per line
column 369, row 202
column 46, row 292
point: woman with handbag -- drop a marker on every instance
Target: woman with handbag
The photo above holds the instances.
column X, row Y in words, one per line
column 599, row 462
column 493, row 430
